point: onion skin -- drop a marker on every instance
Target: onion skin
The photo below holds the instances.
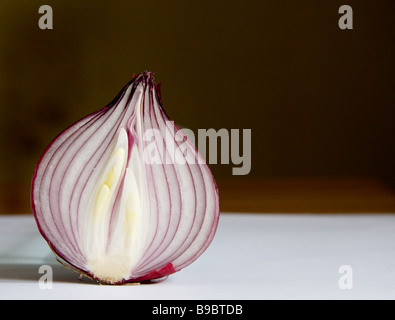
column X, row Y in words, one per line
column 107, row 213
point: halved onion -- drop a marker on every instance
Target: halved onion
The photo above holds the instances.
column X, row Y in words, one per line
column 122, row 195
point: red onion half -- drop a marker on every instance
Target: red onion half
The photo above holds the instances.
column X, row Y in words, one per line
column 122, row 195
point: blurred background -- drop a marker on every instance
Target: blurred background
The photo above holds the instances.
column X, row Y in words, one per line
column 319, row 100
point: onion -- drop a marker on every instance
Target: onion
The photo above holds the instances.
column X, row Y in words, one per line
column 122, row 195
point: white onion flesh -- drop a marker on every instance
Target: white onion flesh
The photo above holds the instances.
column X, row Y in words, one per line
column 111, row 214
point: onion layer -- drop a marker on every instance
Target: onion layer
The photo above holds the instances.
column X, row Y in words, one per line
column 122, row 195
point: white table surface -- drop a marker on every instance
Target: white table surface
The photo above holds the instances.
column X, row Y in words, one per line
column 251, row 257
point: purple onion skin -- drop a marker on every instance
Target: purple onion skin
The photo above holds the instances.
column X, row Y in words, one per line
column 162, row 270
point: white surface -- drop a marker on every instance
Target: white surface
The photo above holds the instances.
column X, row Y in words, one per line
column 251, row 257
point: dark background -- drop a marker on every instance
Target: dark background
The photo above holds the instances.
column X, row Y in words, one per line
column 319, row 100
